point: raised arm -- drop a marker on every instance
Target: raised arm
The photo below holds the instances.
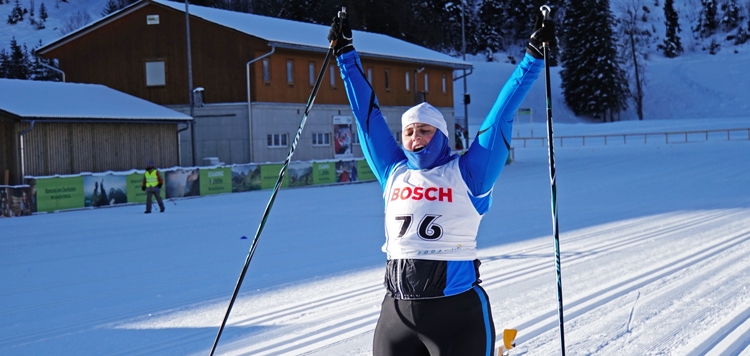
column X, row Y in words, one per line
column 485, row 159
column 378, row 145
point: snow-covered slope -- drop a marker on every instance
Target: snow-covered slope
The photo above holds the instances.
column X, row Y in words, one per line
column 59, row 12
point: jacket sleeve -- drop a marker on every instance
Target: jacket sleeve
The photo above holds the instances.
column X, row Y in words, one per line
column 158, row 176
column 378, row 145
column 144, row 181
column 482, row 163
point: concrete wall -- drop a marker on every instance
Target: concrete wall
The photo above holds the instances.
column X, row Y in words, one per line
column 222, row 130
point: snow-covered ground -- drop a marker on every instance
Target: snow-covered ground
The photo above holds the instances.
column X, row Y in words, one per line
column 654, row 240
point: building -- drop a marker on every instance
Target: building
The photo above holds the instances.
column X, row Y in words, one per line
column 49, row 128
column 255, row 73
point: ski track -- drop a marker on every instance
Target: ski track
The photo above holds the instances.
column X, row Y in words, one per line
column 331, row 320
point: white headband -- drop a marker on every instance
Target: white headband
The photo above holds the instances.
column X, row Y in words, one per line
column 424, row 114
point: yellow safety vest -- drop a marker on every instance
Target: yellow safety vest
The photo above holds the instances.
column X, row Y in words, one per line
column 151, row 179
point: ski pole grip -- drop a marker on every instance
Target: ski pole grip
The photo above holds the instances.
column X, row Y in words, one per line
column 545, row 11
column 342, row 16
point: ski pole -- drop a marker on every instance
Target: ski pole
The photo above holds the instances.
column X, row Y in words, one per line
column 254, row 244
column 168, row 197
column 553, row 181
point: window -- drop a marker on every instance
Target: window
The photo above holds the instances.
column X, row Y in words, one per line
column 387, row 79
column 444, row 84
column 290, row 72
column 277, row 140
column 266, row 71
column 311, row 68
column 155, row 74
column 407, row 79
column 333, row 76
column 426, row 83
column 369, row 75
column 321, row 139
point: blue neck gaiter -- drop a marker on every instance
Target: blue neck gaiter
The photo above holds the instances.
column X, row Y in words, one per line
column 436, row 153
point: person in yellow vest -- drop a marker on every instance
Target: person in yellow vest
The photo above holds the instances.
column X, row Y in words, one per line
column 152, row 182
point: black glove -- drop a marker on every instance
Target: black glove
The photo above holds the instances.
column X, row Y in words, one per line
column 143, row 188
column 342, row 34
column 544, row 31
column 159, row 185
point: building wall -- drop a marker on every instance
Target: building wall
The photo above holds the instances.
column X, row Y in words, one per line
column 222, row 131
column 70, row 148
column 116, row 53
column 8, row 159
column 279, row 90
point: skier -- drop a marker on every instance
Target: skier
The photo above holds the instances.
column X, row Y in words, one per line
column 152, row 182
column 434, row 203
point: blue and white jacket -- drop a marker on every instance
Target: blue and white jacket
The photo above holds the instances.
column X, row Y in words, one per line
column 428, row 256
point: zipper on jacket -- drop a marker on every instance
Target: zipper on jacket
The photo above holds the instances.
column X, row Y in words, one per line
column 398, row 278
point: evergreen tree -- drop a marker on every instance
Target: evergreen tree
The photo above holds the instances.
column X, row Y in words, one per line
column 672, row 45
column 4, row 63
column 43, row 13
column 111, row 6
column 731, row 15
column 39, row 68
column 593, row 82
column 707, row 23
column 16, row 14
column 18, row 62
column 490, row 29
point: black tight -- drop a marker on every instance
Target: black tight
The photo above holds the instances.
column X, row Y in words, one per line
column 458, row 325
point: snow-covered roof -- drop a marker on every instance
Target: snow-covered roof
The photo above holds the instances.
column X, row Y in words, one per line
column 30, row 99
column 293, row 34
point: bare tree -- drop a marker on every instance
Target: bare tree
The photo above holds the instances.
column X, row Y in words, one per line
column 635, row 41
column 75, row 21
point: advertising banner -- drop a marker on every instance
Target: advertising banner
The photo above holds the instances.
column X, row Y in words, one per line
column 245, row 178
column 134, row 185
column 216, row 181
column 15, row 201
column 59, row 193
column 182, row 182
column 364, row 171
column 269, row 173
column 299, row 174
column 324, row 173
column 342, row 137
column 103, row 190
column 346, row 171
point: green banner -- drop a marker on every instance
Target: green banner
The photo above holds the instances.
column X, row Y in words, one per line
column 269, row 174
column 59, row 193
column 324, row 173
column 134, row 192
column 363, row 171
column 216, row 181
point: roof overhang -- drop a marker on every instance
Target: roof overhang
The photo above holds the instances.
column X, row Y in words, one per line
column 295, row 46
column 90, row 27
